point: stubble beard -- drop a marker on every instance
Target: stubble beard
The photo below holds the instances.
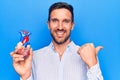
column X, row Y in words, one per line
column 62, row 41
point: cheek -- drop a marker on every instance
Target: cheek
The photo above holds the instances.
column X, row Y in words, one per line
column 52, row 27
column 69, row 28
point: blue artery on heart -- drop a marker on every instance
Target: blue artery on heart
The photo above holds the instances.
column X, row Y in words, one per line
column 25, row 37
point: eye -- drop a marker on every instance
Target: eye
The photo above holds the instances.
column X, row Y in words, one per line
column 54, row 20
column 66, row 21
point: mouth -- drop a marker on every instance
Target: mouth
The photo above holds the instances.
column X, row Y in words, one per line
column 60, row 33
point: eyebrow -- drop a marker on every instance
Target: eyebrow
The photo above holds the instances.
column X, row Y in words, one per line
column 58, row 19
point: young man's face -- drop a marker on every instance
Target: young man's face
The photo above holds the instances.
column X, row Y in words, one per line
column 60, row 25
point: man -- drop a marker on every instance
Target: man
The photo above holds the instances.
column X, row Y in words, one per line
column 62, row 59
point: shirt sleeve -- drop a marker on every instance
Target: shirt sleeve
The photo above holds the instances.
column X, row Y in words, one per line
column 94, row 73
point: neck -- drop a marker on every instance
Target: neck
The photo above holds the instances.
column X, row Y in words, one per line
column 60, row 48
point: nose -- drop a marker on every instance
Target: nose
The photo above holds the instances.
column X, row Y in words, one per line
column 60, row 25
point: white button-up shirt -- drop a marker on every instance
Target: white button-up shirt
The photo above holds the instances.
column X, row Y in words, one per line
column 48, row 66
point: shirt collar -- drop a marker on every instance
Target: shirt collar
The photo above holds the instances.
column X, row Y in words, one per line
column 70, row 46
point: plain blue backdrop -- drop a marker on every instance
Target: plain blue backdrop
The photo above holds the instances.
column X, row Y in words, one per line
column 96, row 21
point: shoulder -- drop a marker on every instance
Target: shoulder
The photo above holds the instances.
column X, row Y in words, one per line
column 41, row 50
column 40, row 53
column 73, row 46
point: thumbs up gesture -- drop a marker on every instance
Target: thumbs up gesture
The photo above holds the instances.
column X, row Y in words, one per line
column 89, row 53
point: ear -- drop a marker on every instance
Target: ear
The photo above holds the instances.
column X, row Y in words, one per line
column 72, row 25
column 48, row 23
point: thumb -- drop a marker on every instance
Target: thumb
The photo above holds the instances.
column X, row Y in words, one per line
column 98, row 48
column 29, row 57
column 31, row 54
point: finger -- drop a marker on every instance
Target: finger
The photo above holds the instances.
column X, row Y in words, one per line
column 28, row 46
column 29, row 57
column 88, row 44
column 31, row 53
column 20, row 49
column 18, row 59
column 91, row 44
column 85, row 45
column 14, row 53
column 98, row 49
column 17, row 56
column 11, row 54
column 17, row 50
column 19, row 45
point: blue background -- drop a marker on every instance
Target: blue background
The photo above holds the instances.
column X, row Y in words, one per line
column 96, row 21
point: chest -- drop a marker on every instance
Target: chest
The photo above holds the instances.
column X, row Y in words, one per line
column 50, row 67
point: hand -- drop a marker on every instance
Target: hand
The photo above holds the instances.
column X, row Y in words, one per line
column 89, row 53
column 22, row 65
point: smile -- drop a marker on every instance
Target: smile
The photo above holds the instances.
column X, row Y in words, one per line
column 60, row 33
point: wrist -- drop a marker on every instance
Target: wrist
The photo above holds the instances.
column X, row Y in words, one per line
column 26, row 76
column 92, row 63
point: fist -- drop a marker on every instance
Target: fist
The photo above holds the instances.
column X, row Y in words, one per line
column 89, row 53
column 25, row 51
